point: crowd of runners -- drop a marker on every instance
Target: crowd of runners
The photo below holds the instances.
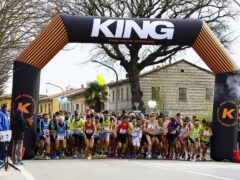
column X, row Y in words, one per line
column 123, row 135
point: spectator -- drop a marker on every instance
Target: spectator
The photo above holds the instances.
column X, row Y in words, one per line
column 4, row 126
column 18, row 128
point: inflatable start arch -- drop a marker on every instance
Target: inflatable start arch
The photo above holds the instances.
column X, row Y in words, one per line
column 66, row 28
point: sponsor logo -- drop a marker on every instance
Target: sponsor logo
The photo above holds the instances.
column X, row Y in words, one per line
column 227, row 113
column 157, row 30
column 26, row 103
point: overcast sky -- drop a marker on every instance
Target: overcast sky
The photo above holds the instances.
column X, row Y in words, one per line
column 65, row 69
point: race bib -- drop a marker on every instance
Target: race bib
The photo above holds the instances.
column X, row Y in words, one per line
column 159, row 130
column 182, row 134
column 97, row 134
column 122, row 131
column 206, row 133
column 79, row 131
column 89, row 131
column 61, row 136
column 106, row 128
column 46, row 132
column 195, row 134
column 173, row 132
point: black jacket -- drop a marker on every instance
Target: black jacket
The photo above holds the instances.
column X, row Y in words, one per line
column 18, row 127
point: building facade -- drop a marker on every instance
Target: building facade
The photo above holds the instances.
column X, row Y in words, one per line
column 177, row 87
column 6, row 99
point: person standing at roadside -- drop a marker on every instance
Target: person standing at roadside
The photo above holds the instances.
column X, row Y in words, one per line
column 18, row 128
column 4, row 126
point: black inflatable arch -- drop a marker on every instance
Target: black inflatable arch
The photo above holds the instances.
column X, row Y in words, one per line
column 66, row 28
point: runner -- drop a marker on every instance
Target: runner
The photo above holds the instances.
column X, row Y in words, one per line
column 150, row 127
column 89, row 131
column 136, row 137
column 113, row 140
column 53, row 123
column 195, row 139
column 205, row 133
column 70, row 132
column 61, row 128
column 97, row 144
column 39, row 134
column 182, row 140
column 173, row 130
column 78, row 134
column 121, row 133
column 159, row 134
column 105, row 130
column 164, row 137
column 45, row 138
column 189, row 143
column 131, row 120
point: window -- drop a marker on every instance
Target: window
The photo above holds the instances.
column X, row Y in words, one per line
column 209, row 94
column 113, row 92
column 121, row 93
column 182, row 94
column 41, row 109
column 45, row 109
column 49, row 108
column 118, row 94
column 77, row 106
column 155, row 93
column 127, row 94
column 82, row 107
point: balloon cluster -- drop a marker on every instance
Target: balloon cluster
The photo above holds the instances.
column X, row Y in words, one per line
column 152, row 104
column 63, row 100
column 100, row 79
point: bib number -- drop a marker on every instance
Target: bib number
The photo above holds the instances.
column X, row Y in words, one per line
column 173, row 132
column 105, row 129
column 61, row 136
column 89, row 131
column 46, row 132
column 122, row 131
column 206, row 133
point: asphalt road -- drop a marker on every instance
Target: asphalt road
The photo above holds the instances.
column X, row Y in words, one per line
column 114, row 169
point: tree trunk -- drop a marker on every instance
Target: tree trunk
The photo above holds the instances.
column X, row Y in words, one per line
column 135, row 88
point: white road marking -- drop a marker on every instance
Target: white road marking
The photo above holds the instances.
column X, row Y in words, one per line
column 184, row 171
column 25, row 173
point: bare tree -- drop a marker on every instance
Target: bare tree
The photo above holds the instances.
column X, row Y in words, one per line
column 20, row 21
column 134, row 57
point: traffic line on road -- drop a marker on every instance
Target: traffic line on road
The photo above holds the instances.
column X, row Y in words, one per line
column 183, row 171
column 26, row 174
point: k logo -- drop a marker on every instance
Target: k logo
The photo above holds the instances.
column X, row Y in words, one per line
column 26, row 103
column 227, row 113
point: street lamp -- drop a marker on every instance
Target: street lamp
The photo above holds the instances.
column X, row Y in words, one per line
column 63, row 99
column 116, row 79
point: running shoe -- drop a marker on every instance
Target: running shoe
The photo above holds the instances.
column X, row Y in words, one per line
column 89, row 158
column 197, row 157
column 149, row 156
column 122, row 157
column 62, row 155
column 21, row 163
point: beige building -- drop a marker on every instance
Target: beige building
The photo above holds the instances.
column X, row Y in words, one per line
column 177, row 87
column 50, row 104
column 6, row 99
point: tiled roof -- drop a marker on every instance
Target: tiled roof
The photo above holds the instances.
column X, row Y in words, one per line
column 68, row 93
